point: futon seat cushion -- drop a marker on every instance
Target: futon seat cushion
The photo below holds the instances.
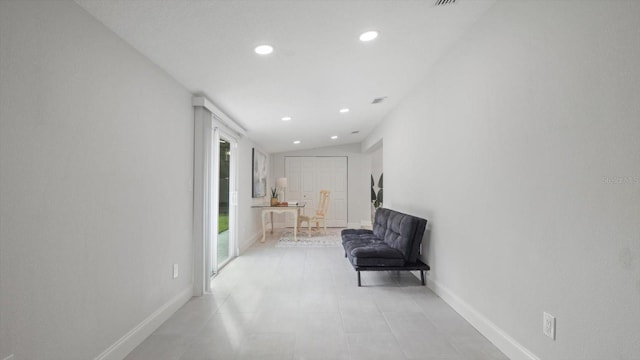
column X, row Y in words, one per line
column 363, row 248
column 354, row 234
column 374, row 253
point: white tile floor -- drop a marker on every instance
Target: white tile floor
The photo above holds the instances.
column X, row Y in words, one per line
column 304, row 303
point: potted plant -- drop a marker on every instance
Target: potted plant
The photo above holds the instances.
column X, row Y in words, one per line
column 274, row 196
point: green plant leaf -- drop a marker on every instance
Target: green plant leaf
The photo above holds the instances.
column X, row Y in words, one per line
column 380, row 181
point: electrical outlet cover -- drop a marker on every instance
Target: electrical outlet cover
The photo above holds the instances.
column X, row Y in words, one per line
column 549, row 325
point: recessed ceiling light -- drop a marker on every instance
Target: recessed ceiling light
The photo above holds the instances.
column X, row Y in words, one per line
column 334, row 137
column 286, row 118
column 369, row 35
column 297, row 142
column 345, row 110
column 263, row 49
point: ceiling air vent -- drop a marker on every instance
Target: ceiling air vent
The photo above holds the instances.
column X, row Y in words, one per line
column 444, row 2
column 378, row 100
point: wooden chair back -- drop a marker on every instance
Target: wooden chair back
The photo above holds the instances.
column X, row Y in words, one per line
column 323, row 204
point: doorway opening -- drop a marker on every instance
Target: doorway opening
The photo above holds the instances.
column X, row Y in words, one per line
column 221, row 247
column 307, row 175
column 215, row 193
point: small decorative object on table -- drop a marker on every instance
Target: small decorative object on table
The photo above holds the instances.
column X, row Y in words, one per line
column 274, row 196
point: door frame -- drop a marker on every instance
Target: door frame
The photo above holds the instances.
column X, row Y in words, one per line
column 317, row 188
column 212, row 266
column 207, row 118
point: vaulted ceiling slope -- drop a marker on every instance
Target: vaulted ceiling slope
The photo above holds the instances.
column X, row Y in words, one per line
column 318, row 65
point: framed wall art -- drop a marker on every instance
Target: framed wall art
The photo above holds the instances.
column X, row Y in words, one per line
column 259, row 181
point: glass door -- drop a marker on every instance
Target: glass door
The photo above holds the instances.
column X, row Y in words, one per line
column 221, row 248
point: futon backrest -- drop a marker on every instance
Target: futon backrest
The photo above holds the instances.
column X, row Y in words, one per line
column 401, row 231
column 380, row 222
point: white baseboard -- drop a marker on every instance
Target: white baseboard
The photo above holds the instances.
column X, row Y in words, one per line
column 121, row 348
column 256, row 237
column 508, row 345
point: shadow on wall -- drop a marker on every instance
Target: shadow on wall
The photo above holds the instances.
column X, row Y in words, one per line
column 426, row 244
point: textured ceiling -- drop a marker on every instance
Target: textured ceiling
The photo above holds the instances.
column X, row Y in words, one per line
column 318, row 65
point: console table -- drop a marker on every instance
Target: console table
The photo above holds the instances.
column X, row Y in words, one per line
column 266, row 209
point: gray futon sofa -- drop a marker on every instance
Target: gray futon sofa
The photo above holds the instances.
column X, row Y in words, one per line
column 393, row 244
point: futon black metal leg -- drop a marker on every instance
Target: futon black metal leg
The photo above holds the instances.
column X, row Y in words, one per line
column 422, row 277
column 359, row 283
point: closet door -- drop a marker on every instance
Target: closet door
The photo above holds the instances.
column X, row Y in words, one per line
column 308, row 175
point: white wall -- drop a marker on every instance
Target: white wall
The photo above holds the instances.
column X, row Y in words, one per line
column 96, row 160
column 249, row 225
column 522, row 148
column 359, row 170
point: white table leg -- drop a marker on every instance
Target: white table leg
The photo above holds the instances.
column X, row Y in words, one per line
column 295, row 225
column 271, row 213
column 264, row 236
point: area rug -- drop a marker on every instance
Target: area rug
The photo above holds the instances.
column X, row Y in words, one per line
column 331, row 239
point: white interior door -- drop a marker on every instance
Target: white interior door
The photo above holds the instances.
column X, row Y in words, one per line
column 308, row 175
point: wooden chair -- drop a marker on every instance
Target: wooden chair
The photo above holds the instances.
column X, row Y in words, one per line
column 320, row 214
